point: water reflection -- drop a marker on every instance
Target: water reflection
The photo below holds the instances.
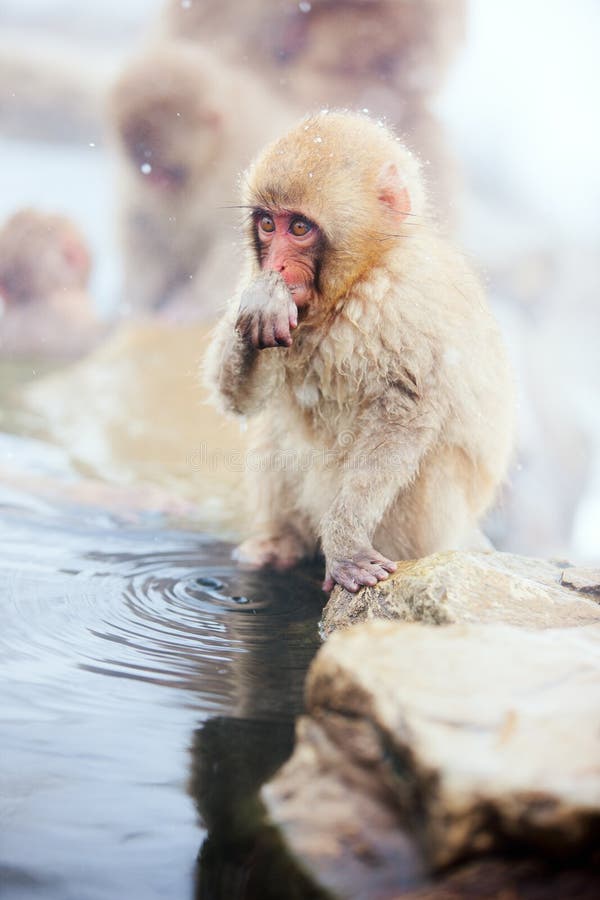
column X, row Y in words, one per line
column 120, row 648
column 241, row 858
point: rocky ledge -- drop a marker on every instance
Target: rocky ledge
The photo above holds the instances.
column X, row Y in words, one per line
column 484, row 588
column 457, row 761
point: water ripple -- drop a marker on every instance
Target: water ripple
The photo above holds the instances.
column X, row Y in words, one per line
column 164, row 607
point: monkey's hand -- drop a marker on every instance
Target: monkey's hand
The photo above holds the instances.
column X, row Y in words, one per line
column 365, row 567
column 267, row 313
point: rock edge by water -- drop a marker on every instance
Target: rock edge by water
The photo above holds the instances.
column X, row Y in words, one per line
column 485, row 588
column 475, row 745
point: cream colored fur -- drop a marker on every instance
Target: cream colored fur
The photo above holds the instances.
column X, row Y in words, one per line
column 396, row 384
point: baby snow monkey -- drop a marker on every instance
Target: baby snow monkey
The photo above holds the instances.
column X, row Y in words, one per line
column 45, row 306
column 360, row 345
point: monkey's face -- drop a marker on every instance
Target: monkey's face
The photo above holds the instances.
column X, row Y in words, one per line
column 155, row 150
column 39, row 255
column 170, row 135
column 353, row 189
column 291, row 244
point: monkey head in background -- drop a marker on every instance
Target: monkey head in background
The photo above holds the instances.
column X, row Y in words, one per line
column 45, row 266
column 184, row 125
column 361, row 349
column 41, row 253
column 327, row 50
column 389, row 56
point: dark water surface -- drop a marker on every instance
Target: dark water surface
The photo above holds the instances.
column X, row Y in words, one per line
column 147, row 688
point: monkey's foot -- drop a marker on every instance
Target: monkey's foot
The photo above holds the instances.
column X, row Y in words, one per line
column 280, row 553
column 366, row 567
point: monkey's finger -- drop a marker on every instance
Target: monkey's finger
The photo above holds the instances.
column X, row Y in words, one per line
column 365, row 577
column 293, row 316
column 267, row 334
column 328, row 583
column 282, row 332
column 348, row 582
column 379, row 560
column 380, row 573
column 253, row 333
column 352, row 577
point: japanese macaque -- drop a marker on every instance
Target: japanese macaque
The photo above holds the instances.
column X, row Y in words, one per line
column 326, row 50
column 389, row 56
column 360, row 347
column 185, row 125
column 45, row 307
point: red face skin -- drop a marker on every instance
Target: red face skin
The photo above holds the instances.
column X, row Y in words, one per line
column 288, row 244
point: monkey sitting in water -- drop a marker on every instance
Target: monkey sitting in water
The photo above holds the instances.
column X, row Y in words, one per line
column 45, row 306
column 361, row 348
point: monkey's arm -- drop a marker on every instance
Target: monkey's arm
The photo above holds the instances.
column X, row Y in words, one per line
column 242, row 377
column 383, row 460
column 244, row 363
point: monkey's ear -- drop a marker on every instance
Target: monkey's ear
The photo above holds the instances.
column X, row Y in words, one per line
column 392, row 191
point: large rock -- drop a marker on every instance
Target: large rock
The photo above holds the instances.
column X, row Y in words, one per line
column 458, row 587
column 474, row 746
column 425, row 746
column 336, row 815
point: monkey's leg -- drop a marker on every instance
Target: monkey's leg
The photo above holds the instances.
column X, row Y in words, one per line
column 439, row 510
column 281, row 548
column 281, row 535
column 382, row 468
column 243, row 362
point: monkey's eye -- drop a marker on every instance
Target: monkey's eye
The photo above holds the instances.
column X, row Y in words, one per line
column 300, row 227
column 266, row 224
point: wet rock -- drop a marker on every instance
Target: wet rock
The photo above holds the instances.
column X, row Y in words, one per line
column 456, row 587
column 426, row 746
column 336, row 816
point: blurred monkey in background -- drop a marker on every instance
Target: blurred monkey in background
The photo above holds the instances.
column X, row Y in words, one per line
column 46, row 308
column 186, row 121
column 184, row 125
column 388, row 56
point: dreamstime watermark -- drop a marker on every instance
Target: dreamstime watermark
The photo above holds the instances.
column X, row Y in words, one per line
column 343, row 456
